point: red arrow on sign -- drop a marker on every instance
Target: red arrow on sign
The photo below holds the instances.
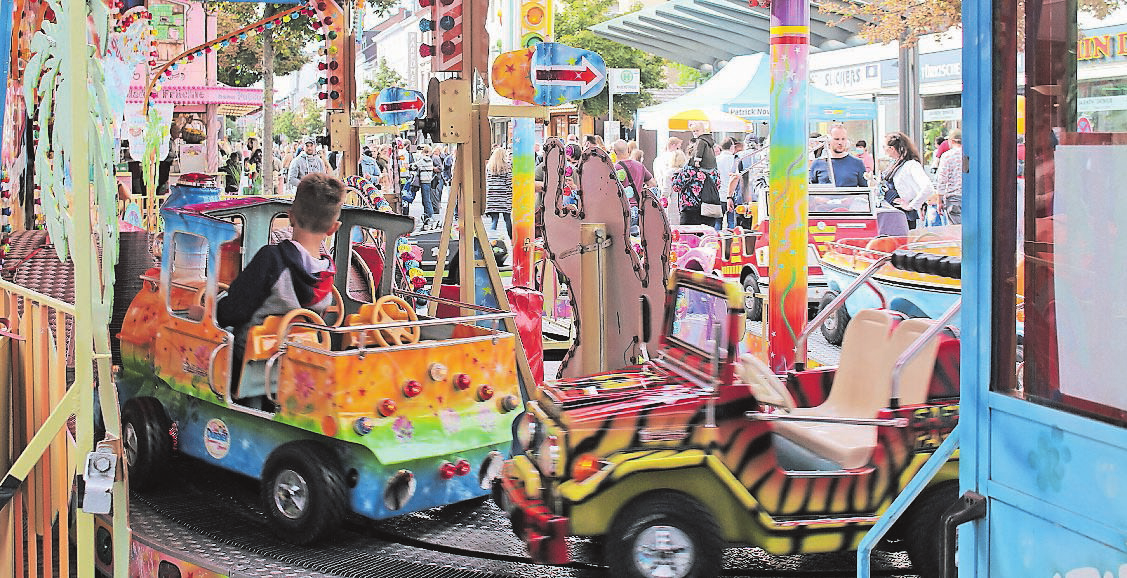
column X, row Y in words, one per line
column 582, row 75
column 397, row 105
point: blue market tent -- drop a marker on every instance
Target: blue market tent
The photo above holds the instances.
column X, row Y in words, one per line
column 743, row 88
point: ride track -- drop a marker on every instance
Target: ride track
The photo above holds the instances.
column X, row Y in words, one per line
column 213, row 518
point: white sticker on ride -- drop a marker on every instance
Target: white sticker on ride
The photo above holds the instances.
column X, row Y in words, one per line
column 216, row 439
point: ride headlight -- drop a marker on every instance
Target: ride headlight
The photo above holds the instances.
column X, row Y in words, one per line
column 548, row 457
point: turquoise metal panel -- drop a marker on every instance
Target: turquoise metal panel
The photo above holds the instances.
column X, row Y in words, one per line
column 1066, row 460
column 977, row 220
column 1031, row 552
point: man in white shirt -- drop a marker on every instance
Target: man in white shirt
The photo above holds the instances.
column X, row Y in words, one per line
column 725, row 164
column 310, row 162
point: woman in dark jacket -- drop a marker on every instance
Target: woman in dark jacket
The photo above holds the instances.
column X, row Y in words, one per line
column 233, row 171
column 702, row 155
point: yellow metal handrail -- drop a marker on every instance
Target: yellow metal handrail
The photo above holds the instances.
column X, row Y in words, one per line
column 36, row 405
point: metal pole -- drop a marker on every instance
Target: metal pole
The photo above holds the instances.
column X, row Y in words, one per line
column 910, row 106
column 592, row 329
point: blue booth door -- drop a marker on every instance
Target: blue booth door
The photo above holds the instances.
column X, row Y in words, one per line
column 1045, row 247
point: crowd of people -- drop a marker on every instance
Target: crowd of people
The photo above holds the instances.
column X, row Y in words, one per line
column 699, row 182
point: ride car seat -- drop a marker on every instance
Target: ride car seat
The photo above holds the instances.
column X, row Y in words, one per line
column 862, row 387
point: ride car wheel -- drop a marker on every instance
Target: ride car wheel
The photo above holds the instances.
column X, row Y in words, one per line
column 753, row 306
column 833, row 328
column 148, row 445
column 924, row 528
column 303, row 492
column 664, row 535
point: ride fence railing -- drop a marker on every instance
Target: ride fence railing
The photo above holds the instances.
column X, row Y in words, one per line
column 43, row 530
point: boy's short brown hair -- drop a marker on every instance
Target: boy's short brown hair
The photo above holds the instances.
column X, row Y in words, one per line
column 316, row 205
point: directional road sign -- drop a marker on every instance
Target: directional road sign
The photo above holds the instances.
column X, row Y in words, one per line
column 396, row 105
column 561, row 73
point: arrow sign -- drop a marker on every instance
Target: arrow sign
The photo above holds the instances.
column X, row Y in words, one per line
column 582, row 75
column 561, row 73
column 396, row 105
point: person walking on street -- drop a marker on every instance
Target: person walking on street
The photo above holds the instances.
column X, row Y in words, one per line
column 499, row 189
column 905, row 184
column 725, row 166
column 841, row 169
column 949, row 179
column 308, row 162
column 676, row 162
column 861, row 151
column 423, row 167
column 368, row 167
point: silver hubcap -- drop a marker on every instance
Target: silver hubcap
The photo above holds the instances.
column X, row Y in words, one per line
column 291, row 494
column 831, row 322
column 749, row 297
column 663, row 552
column 130, row 444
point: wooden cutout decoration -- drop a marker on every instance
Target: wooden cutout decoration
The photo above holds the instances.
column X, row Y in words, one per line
column 635, row 265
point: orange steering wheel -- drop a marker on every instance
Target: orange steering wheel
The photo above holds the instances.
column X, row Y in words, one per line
column 388, row 309
column 337, row 307
column 307, row 315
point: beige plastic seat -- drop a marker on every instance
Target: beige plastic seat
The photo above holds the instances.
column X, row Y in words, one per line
column 862, row 387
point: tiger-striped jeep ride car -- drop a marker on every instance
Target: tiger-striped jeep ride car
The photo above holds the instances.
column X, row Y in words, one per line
column 698, row 446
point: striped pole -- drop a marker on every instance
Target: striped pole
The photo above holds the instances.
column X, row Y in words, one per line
column 787, row 202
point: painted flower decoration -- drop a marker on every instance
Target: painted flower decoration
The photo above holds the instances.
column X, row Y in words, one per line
column 1050, row 460
column 403, row 428
column 304, row 384
column 451, row 421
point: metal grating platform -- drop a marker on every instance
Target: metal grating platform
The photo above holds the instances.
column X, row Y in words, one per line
column 212, row 518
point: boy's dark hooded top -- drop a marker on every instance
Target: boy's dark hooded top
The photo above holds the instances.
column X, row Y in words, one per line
column 276, row 281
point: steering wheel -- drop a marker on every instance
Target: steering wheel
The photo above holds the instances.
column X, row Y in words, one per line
column 201, row 293
column 308, row 315
column 390, row 308
column 337, row 307
column 764, row 384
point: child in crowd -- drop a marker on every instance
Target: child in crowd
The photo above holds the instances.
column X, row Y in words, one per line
column 293, row 273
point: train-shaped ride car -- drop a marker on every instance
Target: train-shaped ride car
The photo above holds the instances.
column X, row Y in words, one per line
column 372, row 410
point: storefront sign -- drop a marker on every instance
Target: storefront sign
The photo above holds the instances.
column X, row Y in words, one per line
column 860, row 77
column 1101, row 46
column 943, row 114
column 939, row 66
column 750, row 111
column 200, row 95
column 1101, row 103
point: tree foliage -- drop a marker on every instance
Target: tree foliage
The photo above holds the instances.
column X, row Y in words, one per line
column 572, row 25
column 385, row 77
column 908, row 20
column 240, row 63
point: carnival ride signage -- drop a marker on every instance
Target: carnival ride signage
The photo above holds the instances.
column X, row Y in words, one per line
column 549, row 73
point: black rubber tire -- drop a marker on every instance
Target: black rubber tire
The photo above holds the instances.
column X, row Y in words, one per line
column 307, row 477
column 672, row 510
column 833, row 328
column 923, row 530
column 753, row 306
column 148, row 445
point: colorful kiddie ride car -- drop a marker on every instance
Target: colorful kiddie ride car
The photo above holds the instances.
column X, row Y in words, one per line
column 372, row 410
column 834, row 214
column 729, row 254
column 669, row 460
column 915, row 294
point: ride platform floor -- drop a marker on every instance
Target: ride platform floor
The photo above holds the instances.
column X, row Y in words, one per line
column 212, row 518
